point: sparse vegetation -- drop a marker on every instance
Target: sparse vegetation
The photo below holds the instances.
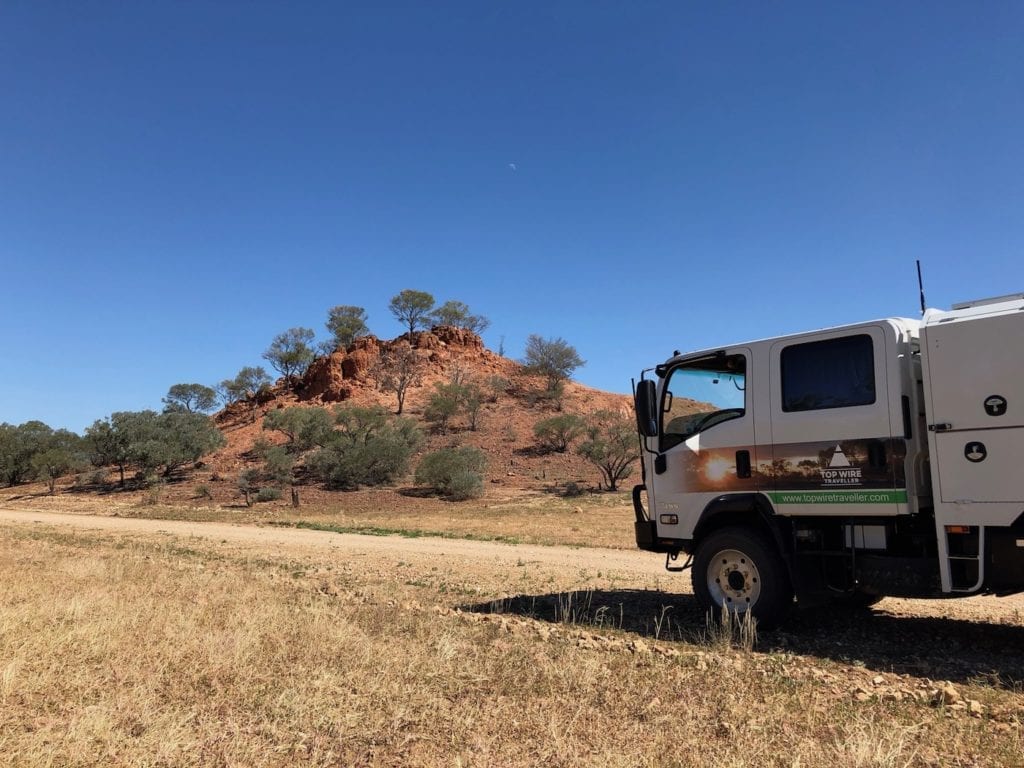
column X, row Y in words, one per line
column 456, row 473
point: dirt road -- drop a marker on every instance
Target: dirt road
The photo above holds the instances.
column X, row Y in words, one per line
column 295, row 539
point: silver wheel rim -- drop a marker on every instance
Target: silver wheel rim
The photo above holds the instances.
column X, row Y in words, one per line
column 733, row 580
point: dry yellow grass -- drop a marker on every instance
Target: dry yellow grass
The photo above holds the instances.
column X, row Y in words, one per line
column 158, row 651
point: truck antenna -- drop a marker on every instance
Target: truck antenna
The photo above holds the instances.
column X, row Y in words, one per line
column 920, row 286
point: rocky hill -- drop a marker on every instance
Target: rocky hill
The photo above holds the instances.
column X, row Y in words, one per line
column 504, row 427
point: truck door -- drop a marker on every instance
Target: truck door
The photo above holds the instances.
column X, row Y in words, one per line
column 833, row 451
column 707, row 441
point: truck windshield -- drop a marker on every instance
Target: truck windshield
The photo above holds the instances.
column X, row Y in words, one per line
column 701, row 394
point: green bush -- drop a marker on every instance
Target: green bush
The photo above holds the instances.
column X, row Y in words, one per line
column 558, row 432
column 370, row 447
column 456, row 473
column 268, row 494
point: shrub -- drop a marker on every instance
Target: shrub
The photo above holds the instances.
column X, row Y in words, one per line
column 247, row 484
column 558, row 432
column 496, row 387
column 443, row 404
column 203, row 492
column 573, row 489
column 268, row 494
column 369, row 448
column 456, row 473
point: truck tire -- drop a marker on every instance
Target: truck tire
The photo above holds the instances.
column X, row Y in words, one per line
column 741, row 569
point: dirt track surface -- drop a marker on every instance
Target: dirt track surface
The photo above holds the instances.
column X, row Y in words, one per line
column 276, row 538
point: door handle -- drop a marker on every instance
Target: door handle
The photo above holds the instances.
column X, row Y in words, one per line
column 743, row 464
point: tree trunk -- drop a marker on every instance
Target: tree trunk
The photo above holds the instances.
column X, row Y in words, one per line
column 295, row 497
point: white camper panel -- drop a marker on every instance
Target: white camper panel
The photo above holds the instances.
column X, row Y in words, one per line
column 974, row 384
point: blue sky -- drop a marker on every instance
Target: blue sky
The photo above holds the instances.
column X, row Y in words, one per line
column 180, row 182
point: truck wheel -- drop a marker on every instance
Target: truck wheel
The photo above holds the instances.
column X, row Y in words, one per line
column 741, row 570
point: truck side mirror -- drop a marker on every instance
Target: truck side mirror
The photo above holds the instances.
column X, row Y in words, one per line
column 645, row 403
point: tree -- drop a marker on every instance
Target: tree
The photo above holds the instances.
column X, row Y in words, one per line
column 191, row 398
column 290, row 352
column 369, row 447
column 18, row 444
column 398, row 368
column 456, row 473
column 411, row 308
column 248, row 384
column 108, row 441
column 305, row 428
column 457, row 313
column 346, row 324
column 169, row 440
column 554, row 359
column 186, row 437
column 558, row 433
column 611, row 446
column 60, row 456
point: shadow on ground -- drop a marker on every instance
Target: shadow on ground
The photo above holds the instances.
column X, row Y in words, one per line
column 938, row 648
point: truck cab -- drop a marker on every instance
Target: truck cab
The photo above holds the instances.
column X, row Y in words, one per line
column 803, row 465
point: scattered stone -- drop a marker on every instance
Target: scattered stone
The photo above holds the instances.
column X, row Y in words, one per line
column 639, row 646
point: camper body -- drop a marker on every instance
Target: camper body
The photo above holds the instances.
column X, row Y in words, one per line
column 850, row 463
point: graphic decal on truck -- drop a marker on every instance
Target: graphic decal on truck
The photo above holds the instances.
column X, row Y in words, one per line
column 832, row 470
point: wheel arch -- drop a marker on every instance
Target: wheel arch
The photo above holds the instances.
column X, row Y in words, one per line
column 750, row 510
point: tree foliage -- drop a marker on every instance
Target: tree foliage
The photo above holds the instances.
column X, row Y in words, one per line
column 346, row 323
column 412, row 308
column 456, row 473
column 18, row 444
column 368, row 447
column 248, row 385
column 305, row 428
column 554, row 359
column 559, row 432
column 610, row 445
column 63, row 454
column 169, row 440
column 457, row 313
column 290, row 352
column 191, row 398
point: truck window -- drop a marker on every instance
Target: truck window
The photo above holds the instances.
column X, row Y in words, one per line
column 701, row 394
column 834, row 373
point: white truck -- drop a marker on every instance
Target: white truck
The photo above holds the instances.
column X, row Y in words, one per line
column 851, row 463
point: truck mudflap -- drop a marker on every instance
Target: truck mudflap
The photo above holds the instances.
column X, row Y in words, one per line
column 1004, row 566
column 646, row 530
